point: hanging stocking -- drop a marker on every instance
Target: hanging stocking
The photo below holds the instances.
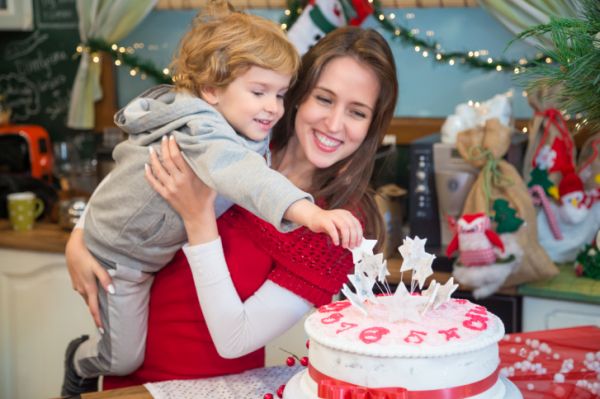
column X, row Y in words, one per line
column 322, row 16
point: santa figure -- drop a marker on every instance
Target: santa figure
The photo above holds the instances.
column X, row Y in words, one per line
column 475, row 240
column 574, row 206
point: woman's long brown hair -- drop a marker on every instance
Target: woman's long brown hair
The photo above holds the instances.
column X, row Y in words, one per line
column 346, row 183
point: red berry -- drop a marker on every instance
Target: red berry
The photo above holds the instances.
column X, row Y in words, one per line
column 304, row 361
column 268, row 396
column 280, row 391
column 290, row 361
column 307, row 343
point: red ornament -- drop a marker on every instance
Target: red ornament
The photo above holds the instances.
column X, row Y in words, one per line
column 268, row 396
column 304, row 361
column 280, row 391
column 290, row 361
column 578, row 269
column 307, row 343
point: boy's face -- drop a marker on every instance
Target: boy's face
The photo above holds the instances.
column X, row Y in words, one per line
column 253, row 102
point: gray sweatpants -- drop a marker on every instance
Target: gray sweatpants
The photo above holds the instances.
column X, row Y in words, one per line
column 120, row 350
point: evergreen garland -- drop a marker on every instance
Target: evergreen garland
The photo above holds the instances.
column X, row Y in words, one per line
column 399, row 32
column 576, row 54
column 135, row 63
column 433, row 48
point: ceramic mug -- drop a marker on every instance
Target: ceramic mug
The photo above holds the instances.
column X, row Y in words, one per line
column 23, row 209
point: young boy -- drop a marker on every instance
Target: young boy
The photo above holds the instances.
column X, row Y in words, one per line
column 231, row 73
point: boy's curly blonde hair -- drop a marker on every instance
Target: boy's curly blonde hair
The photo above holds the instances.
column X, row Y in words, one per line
column 223, row 44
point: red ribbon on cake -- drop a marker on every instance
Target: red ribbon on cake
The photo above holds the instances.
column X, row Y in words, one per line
column 331, row 388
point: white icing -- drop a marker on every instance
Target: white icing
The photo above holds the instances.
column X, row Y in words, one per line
column 321, row 327
column 437, row 362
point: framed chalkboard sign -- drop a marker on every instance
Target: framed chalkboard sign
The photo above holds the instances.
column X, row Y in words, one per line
column 38, row 67
column 16, row 15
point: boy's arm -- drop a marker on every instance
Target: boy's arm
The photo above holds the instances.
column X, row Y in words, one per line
column 242, row 176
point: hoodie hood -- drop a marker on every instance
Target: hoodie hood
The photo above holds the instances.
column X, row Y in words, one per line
column 159, row 111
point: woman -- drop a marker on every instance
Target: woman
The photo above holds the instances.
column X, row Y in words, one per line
column 336, row 115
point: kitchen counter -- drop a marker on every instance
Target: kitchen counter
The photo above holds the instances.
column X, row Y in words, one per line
column 566, row 285
column 46, row 237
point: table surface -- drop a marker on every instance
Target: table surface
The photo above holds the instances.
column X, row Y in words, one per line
column 44, row 236
column 570, row 343
column 136, row 392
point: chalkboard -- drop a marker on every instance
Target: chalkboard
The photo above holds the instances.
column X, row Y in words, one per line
column 38, row 67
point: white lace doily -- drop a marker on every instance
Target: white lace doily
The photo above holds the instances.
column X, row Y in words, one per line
column 250, row 384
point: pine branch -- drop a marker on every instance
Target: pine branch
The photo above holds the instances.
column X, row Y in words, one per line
column 576, row 52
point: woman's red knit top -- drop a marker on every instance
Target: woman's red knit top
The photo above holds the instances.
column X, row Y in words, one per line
column 178, row 345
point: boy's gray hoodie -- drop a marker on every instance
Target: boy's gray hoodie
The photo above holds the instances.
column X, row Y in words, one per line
column 129, row 223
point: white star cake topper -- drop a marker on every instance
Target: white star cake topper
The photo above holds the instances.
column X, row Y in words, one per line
column 422, row 269
column 401, row 305
column 373, row 266
column 411, row 251
column 366, row 247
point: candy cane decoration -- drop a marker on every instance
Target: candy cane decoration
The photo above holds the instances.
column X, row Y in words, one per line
column 538, row 195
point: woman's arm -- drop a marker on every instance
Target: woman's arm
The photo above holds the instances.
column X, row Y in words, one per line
column 84, row 269
column 236, row 327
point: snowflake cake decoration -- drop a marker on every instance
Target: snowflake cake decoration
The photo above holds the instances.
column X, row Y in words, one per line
column 404, row 304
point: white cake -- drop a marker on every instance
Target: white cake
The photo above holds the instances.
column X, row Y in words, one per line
column 450, row 352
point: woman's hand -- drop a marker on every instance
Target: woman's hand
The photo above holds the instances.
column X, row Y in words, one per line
column 84, row 269
column 177, row 183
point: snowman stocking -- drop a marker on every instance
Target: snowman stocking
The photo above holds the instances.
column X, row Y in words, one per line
column 323, row 16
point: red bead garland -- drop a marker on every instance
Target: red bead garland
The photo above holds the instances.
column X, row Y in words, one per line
column 280, row 391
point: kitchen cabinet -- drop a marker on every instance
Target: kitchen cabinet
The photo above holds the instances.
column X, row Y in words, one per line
column 39, row 314
column 544, row 314
column 563, row 301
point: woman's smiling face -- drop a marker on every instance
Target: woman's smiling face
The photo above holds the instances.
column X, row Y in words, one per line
column 334, row 119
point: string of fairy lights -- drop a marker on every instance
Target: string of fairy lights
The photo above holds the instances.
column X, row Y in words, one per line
column 427, row 47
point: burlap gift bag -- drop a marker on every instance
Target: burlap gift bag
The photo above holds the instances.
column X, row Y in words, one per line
column 484, row 148
column 548, row 132
column 588, row 164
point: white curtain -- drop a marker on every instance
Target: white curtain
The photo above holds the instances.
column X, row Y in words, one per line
column 518, row 15
column 110, row 20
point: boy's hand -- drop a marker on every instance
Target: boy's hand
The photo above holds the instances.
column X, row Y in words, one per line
column 341, row 225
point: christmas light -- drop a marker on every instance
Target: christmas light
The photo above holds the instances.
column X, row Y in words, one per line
column 126, row 56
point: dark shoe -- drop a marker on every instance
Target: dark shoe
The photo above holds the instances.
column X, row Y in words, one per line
column 74, row 385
